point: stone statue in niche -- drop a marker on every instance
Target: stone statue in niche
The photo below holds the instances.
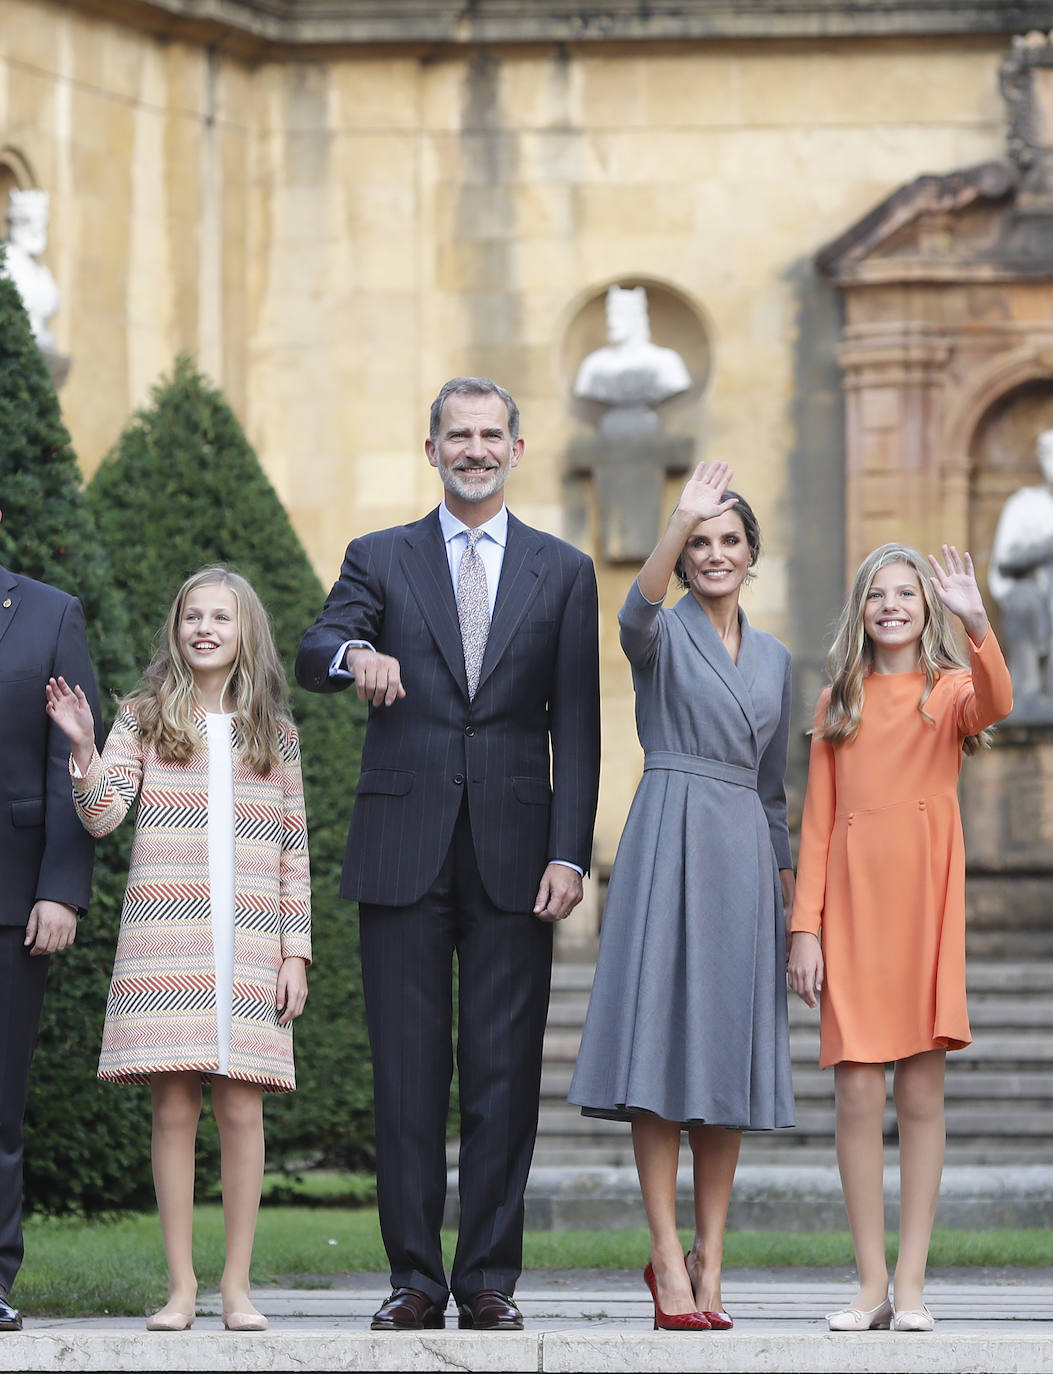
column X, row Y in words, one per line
column 1021, row 581
column 630, row 374
column 629, row 459
column 26, row 239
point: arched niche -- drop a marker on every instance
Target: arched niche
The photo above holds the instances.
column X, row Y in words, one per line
column 1002, row 460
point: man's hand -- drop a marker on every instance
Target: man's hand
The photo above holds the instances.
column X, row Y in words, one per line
column 559, row 893
column 52, row 926
column 378, row 677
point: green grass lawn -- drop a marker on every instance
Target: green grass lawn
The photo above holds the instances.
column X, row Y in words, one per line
column 77, row 1268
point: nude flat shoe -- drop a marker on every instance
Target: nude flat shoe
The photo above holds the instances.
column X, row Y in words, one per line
column 170, row 1321
column 913, row 1319
column 244, row 1321
column 859, row 1319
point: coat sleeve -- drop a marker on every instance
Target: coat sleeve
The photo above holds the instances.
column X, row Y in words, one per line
column 295, row 889
column 817, row 824
column 771, row 779
column 986, row 694
column 107, row 790
column 574, row 724
column 69, row 853
column 639, row 626
column 354, row 609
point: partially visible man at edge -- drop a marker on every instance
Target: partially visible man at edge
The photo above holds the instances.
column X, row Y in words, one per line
column 46, row 859
column 474, row 639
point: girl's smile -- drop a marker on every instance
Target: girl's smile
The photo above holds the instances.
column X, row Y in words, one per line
column 894, row 616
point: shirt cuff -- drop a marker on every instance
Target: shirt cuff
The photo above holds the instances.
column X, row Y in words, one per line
column 336, row 668
column 565, row 863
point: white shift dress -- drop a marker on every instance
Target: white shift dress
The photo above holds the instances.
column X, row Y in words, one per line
column 221, row 873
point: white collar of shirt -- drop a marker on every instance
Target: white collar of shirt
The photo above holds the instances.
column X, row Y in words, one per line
column 496, row 527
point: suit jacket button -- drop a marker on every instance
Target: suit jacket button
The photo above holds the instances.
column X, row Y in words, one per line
column 458, row 778
column 469, row 729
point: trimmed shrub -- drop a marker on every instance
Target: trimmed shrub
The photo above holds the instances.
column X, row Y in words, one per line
column 181, row 488
column 87, row 1147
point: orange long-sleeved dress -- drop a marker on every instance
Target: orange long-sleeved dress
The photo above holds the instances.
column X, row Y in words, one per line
column 881, row 872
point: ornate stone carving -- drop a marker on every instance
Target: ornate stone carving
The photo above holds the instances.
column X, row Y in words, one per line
column 27, row 237
column 1026, row 81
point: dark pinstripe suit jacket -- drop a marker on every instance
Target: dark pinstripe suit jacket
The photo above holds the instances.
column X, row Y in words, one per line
column 45, row 852
column 526, row 749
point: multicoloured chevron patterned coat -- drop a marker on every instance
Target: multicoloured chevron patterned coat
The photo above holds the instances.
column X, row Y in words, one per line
column 161, row 1011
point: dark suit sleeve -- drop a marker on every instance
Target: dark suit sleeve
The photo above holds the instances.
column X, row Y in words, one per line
column 354, row 609
column 66, row 865
column 574, row 724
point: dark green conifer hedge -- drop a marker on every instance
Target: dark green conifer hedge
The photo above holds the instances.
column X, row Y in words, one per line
column 182, row 488
column 87, row 1147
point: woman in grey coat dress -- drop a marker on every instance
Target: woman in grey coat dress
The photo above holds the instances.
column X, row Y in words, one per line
column 686, row 1025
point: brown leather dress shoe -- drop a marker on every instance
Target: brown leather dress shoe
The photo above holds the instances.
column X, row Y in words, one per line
column 408, row 1309
column 489, row 1310
column 10, row 1317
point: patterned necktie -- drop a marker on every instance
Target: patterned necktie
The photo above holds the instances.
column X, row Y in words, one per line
column 473, row 609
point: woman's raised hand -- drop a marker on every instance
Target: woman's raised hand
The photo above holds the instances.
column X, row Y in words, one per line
column 956, row 587
column 68, row 708
column 703, row 497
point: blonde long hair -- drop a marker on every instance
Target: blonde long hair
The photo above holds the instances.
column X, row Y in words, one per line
column 165, row 700
column 851, row 655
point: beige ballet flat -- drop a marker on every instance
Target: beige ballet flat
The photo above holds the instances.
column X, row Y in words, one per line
column 859, row 1319
column 170, row 1321
column 913, row 1319
column 244, row 1321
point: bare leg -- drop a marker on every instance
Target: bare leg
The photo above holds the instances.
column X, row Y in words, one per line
column 656, row 1144
column 239, row 1115
column 860, row 1094
column 177, row 1108
column 918, row 1090
column 716, row 1156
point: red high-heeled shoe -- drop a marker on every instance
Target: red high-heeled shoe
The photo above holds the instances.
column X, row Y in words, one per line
column 672, row 1321
column 718, row 1321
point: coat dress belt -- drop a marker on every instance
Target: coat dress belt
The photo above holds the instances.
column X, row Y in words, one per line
column 704, row 768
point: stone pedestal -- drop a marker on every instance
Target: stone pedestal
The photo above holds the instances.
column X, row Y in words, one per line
column 1007, row 811
column 629, row 475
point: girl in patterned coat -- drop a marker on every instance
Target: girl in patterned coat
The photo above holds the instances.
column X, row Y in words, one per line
column 215, row 937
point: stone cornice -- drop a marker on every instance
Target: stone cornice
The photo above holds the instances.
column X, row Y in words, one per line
column 260, row 25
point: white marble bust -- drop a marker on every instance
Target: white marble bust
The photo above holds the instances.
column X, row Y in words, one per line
column 1021, row 581
column 27, row 236
column 630, row 372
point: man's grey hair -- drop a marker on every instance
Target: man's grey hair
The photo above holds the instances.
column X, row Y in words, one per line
column 472, row 386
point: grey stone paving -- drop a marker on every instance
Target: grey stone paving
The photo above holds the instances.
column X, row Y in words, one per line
column 988, row 1321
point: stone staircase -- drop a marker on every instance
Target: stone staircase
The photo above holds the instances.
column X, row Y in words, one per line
column 999, row 1090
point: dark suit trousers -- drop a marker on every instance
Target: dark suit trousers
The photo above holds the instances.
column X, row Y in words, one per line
column 504, row 969
column 22, row 982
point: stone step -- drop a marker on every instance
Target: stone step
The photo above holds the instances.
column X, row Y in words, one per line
column 998, row 1119
column 782, row 1149
column 964, row 1082
column 982, row 975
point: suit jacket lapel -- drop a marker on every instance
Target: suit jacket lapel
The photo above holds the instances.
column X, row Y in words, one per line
column 707, row 641
column 521, row 573
column 10, row 596
column 427, row 571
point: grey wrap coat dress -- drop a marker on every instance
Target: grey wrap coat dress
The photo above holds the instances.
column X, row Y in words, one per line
column 687, row 1017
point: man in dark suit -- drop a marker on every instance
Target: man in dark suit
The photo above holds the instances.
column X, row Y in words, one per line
column 45, row 859
column 474, row 639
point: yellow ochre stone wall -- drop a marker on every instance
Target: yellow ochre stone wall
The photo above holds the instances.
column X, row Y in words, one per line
column 333, row 237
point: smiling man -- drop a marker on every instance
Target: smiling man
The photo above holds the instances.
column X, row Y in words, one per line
column 474, row 640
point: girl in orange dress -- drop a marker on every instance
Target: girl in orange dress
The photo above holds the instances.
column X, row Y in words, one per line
column 878, row 925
